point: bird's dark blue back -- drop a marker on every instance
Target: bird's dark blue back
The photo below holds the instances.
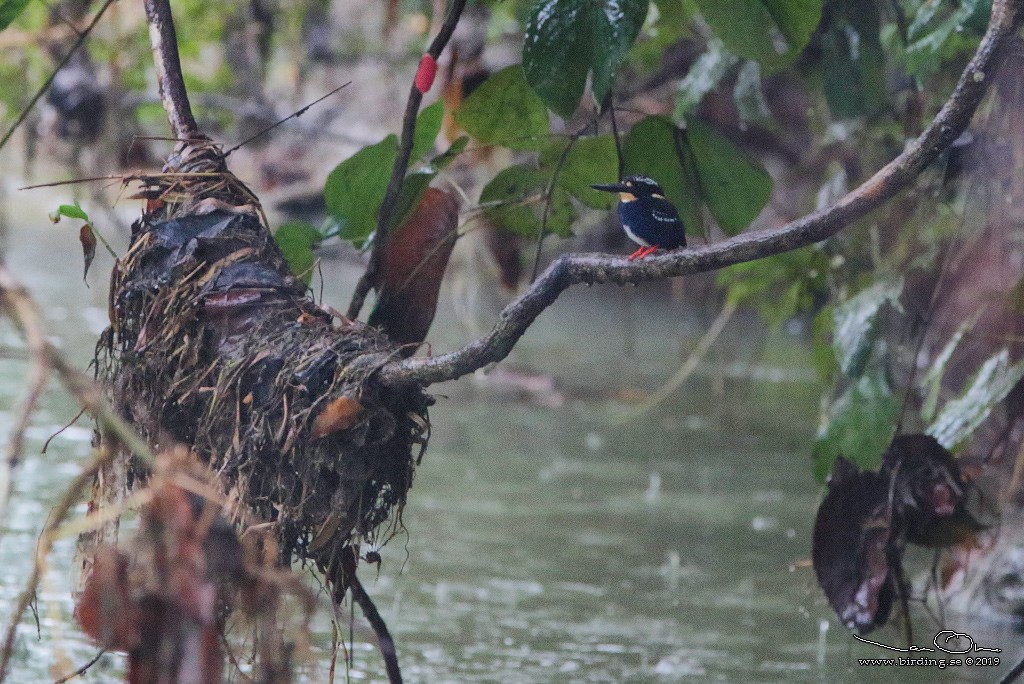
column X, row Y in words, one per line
column 655, row 220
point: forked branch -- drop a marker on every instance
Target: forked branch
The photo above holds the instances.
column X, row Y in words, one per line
column 572, row 269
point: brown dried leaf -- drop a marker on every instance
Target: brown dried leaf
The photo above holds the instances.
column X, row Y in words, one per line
column 340, row 414
column 88, row 240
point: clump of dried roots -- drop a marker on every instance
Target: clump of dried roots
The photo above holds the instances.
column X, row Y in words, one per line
column 215, row 344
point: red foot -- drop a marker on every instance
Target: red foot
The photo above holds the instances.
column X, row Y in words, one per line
column 643, row 252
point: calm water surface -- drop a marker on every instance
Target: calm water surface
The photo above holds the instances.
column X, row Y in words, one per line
column 548, row 540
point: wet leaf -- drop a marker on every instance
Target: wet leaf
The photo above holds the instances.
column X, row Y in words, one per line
column 567, row 39
column 505, row 111
column 773, row 32
column 412, row 267
column 654, row 147
column 356, row 187
column 88, row 240
column 931, row 383
column 933, row 38
column 735, row 187
column 856, row 325
column 960, row 417
column 591, row 160
column 703, row 77
column 851, row 547
column 858, row 425
column 298, row 239
column 929, row 493
column 340, row 414
column 9, row 11
column 853, row 61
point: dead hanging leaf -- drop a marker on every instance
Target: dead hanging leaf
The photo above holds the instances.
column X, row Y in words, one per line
column 412, row 266
column 88, row 240
column 340, row 414
column 853, row 550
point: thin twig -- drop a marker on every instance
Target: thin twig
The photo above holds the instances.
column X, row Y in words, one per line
column 686, row 370
column 380, row 628
column 549, row 194
column 168, row 69
column 571, row 269
column 82, row 670
column 46, row 85
column 294, row 115
column 401, row 164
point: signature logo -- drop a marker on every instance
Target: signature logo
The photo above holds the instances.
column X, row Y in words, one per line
column 947, row 641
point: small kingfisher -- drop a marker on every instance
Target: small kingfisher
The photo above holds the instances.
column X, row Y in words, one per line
column 648, row 218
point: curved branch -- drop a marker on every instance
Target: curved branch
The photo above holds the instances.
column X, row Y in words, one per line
column 412, row 107
column 168, row 69
column 572, row 269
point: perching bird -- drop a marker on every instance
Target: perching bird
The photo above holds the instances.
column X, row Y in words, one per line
column 648, row 218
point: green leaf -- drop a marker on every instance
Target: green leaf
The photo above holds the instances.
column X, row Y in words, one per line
column 428, row 125
column 9, row 11
column 590, row 160
column 653, row 147
column 504, row 110
column 858, row 425
column 356, row 187
column 856, row 325
column 441, row 161
column 734, row 186
column 960, row 417
column 522, row 189
column 566, row 39
column 853, row 61
column 71, row 211
column 931, row 41
column 298, row 239
column 773, row 32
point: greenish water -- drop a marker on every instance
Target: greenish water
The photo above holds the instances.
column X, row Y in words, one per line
column 546, row 541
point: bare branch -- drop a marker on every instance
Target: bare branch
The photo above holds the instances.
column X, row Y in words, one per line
column 412, row 107
column 168, row 69
column 572, row 269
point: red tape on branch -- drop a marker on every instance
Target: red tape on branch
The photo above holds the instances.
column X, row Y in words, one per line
column 425, row 74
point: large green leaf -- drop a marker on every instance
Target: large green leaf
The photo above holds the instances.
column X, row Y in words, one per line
column 566, row 39
column 960, row 417
column 9, row 11
column 590, row 160
column 654, row 147
column 298, row 239
column 506, row 111
column 771, row 31
column 856, row 325
column 858, row 425
column 733, row 185
column 356, row 187
column 934, row 36
column 520, row 189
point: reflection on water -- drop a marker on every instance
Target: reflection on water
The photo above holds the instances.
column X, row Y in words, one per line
column 545, row 541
